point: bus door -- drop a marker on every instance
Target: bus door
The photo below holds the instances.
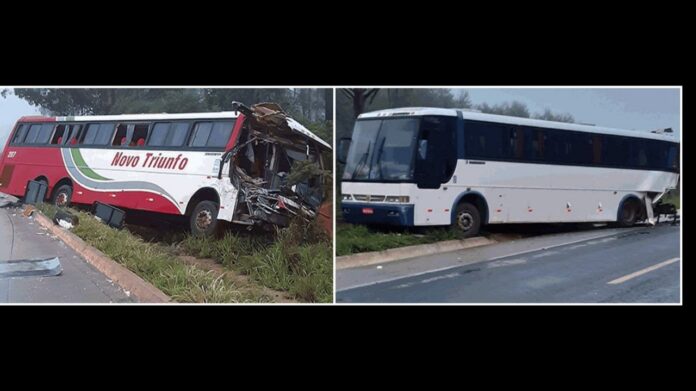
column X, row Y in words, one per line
column 435, row 152
column 435, row 162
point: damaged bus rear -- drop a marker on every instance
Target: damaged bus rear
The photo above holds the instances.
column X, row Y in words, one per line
column 234, row 166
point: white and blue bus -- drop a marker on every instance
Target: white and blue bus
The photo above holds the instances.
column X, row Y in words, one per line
column 435, row 167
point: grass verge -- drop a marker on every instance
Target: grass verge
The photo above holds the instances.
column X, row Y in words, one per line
column 673, row 198
column 299, row 260
column 352, row 239
column 157, row 265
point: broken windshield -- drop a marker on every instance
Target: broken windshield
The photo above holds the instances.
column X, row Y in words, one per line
column 382, row 149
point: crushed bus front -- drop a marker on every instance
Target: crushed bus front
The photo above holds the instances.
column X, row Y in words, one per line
column 277, row 168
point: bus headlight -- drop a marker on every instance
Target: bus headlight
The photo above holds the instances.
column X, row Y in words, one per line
column 399, row 199
column 347, row 197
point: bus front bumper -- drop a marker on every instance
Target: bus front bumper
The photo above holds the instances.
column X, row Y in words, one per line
column 364, row 213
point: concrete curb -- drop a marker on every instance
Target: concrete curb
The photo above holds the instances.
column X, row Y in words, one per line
column 397, row 254
column 141, row 289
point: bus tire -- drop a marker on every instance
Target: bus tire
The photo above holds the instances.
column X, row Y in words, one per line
column 203, row 220
column 629, row 213
column 62, row 196
column 467, row 220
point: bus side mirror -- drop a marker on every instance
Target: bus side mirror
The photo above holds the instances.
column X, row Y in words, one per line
column 343, row 145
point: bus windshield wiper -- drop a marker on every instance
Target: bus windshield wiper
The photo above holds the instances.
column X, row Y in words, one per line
column 362, row 161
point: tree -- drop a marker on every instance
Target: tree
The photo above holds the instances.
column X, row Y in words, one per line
column 328, row 104
column 514, row 109
column 549, row 116
column 360, row 98
column 91, row 101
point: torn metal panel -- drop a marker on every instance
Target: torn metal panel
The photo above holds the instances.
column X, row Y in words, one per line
column 272, row 118
column 261, row 164
column 31, row 268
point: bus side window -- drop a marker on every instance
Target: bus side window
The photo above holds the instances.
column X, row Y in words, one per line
column 533, row 144
column 20, row 133
column 32, row 134
column 639, row 157
column 597, row 142
column 158, row 136
column 90, row 134
column 73, row 135
column 39, row 133
column 140, row 134
column 46, row 133
column 517, row 143
column 98, row 134
column 177, row 134
column 59, row 135
column 120, row 137
column 201, row 132
column 211, row 134
column 672, row 161
column 675, row 159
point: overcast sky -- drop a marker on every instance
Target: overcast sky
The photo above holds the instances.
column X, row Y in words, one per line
column 11, row 108
column 625, row 108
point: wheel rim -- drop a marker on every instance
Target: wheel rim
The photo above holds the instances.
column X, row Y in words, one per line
column 62, row 199
column 465, row 221
column 203, row 219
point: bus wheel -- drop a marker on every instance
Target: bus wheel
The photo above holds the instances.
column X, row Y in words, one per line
column 62, row 196
column 203, row 219
column 467, row 219
column 629, row 214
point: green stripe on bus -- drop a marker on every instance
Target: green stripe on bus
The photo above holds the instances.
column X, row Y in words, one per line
column 82, row 166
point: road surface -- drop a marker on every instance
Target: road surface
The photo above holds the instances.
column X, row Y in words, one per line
column 22, row 238
column 634, row 265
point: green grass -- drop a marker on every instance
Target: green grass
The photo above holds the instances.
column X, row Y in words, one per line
column 299, row 260
column 158, row 265
column 673, row 198
column 351, row 239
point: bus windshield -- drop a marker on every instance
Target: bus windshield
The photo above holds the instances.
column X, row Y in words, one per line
column 382, row 150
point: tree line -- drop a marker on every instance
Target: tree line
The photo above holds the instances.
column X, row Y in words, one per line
column 311, row 106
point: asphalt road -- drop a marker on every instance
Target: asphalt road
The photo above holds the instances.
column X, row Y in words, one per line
column 634, row 265
column 22, row 238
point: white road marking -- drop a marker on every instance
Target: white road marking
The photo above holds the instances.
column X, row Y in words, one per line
column 577, row 246
column 544, row 254
column 450, row 275
column 642, row 271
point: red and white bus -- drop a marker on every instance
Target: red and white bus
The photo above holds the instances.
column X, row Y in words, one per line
column 229, row 166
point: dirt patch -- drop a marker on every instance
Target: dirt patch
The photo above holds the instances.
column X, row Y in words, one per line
column 244, row 282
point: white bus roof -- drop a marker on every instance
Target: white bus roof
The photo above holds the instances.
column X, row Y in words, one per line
column 150, row 117
column 478, row 116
